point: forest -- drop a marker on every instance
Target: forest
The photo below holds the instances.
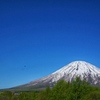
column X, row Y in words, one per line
column 76, row 90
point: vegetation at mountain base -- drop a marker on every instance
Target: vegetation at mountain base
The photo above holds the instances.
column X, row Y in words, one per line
column 76, row 90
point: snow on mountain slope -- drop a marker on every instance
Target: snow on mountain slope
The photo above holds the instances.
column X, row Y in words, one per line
column 81, row 69
column 69, row 72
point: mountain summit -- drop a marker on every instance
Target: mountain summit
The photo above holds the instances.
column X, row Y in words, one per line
column 80, row 69
column 69, row 72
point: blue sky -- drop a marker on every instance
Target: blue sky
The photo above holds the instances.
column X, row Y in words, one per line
column 37, row 37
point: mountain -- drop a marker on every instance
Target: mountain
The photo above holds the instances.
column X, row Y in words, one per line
column 69, row 72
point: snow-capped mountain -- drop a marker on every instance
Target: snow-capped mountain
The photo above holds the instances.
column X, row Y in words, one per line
column 69, row 72
column 81, row 69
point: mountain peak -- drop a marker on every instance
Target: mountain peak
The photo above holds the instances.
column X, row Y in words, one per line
column 75, row 69
column 79, row 63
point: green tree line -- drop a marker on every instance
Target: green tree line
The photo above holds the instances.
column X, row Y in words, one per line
column 76, row 90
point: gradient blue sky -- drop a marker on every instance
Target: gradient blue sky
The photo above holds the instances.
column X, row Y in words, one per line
column 37, row 37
